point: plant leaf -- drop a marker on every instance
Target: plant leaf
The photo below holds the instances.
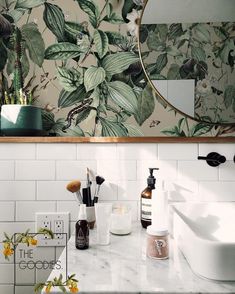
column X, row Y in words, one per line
column 173, row 72
column 34, row 42
column 67, row 99
column 3, row 58
column 122, row 95
column 83, row 115
column 198, row 53
column 161, row 62
column 70, row 79
column 73, row 29
column 62, row 51
column 17, row 13
column 93, row 77
column 101, row 43
column 114, row 18
column 200, row 129
column 89, row 7
column 229, row 96
column 133, row 131
column 53, row 17
column 115, row 38
column 146, row 105
column 118, row 62
column 112, row 129
column 127, row 8
column 28, row 3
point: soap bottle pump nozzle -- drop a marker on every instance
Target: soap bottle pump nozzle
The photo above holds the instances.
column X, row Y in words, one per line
column 151, row 179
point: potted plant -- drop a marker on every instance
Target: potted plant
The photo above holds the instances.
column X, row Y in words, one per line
column 18, row 116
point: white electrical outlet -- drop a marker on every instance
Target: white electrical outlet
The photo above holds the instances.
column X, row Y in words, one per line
column 58, row 223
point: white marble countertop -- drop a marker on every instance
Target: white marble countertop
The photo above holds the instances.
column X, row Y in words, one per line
column 122, row 267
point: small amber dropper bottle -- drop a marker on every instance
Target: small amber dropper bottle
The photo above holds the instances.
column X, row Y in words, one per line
column 82, row 230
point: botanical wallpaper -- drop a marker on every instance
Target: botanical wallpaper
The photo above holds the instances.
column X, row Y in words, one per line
column 81, row 62
column 203, row 52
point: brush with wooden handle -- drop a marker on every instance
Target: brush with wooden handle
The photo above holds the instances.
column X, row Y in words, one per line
column 74, row 187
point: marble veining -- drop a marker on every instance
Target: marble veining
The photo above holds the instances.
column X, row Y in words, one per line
column 122, row 267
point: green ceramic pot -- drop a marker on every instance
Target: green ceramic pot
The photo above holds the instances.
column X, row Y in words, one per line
column 21, row 120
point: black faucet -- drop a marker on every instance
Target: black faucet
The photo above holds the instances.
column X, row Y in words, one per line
column 213, row 159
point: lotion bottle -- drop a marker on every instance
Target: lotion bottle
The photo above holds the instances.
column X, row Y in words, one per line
column 82, row 230
column 146, row 200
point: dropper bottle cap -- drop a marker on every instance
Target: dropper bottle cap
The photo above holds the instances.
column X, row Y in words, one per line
column 82, row 212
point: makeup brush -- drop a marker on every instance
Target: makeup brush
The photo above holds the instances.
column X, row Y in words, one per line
column 74, row 187
column 87, row 191
column 99, row 182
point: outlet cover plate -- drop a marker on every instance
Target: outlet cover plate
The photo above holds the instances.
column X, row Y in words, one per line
column 58, row 223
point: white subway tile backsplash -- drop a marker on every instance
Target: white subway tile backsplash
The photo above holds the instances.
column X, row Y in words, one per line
column 25, row 210
column 227, row 150
column 71, row 170
column 136, row 151
column 182, row 190
column 216, row 191
column 7, row 211
column 53, row 190
column 108, row 191
column 6, row 170
column 35, row 170
column 7, row 289
column 113, row 170
column 178, row 151
column 167, row 169
column 17, row 190
column 24, row 290
column 96, row 151
column 197, row 171
column 56, row 151
column 130, row 190
column 7, row 274
column 17, row 151
column 227, row 171
column 69, row 206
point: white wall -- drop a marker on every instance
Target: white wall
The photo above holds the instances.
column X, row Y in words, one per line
column 33, row 179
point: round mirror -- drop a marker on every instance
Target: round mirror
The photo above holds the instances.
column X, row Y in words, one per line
column 187, row 49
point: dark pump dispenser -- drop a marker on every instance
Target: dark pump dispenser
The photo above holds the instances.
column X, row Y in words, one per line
column 82, row 230
column 146, row 199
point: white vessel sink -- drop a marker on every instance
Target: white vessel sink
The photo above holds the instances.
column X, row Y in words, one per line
column 205, row 233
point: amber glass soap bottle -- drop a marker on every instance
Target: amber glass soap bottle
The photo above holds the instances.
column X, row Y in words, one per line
column 146, row 199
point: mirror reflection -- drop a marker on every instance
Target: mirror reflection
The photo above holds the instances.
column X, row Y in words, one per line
column 188, row 52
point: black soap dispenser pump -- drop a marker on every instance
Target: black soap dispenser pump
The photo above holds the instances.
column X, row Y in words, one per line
column 146, row 200
column 82, row 229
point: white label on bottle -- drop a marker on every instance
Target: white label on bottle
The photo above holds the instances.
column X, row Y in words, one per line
column 146, row 209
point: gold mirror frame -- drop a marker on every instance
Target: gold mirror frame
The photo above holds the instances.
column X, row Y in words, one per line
column 155, row 89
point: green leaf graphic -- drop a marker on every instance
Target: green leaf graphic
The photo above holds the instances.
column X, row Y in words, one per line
column 28, row 3
column 93, row 77
column 54, row 19
column 123, row 96
column 118, row 62
column 68, row 99
column 89, row 7
column 34, row 43
column 62, row 51
column 101, row 43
